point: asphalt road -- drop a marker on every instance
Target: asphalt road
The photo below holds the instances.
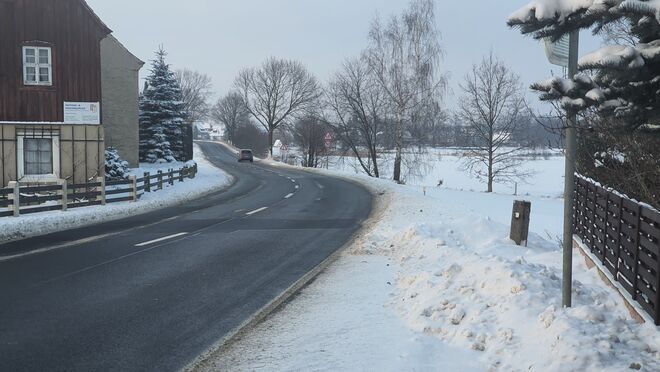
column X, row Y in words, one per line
column 126, row 303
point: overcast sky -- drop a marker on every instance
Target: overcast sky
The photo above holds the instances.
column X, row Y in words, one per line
column 219, row 37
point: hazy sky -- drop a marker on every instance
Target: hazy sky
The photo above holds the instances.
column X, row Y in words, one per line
column 219, row 37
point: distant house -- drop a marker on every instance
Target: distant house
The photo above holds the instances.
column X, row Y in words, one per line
column 51, row 106
column 120, row 74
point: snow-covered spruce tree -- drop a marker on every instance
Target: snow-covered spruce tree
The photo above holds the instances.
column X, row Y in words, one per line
column 115, row 167
column 617, row 81
column 161, row 115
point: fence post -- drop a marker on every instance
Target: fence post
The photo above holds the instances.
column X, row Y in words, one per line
column 181, row 173
column 134, row 193
column 657, row 293
column 64, row 193
column 16, row 198
column 160, row 179
column 194, row 171
column 147, row 182
column 636, row 268
column 618, row 236
column 101, row 188
column 171, row 177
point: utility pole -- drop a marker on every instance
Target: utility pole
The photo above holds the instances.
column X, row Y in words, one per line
column 571, row 147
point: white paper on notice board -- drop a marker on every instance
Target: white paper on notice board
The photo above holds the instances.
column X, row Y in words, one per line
column 82, row 113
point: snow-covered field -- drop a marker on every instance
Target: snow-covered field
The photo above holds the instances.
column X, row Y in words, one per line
column 446, row 165
column 208, row 179
column 436, row 285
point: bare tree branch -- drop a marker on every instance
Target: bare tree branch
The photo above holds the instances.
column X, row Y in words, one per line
column 276, row 92
column 195, row 90
column 491, row 106
column 230, row 111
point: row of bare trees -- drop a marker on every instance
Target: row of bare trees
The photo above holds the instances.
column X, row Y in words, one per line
column 388, row 98
column 390, row 87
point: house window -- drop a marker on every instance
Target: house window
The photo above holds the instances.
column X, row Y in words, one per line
column 37, row 66
column 38, row 156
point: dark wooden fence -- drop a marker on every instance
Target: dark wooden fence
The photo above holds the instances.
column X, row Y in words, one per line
column 625, row 236
column 17, row 200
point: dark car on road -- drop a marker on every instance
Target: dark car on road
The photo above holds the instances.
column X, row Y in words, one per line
column 245, row 155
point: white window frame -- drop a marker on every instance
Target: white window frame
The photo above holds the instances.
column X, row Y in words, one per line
column 38, row 66
column 21, row 159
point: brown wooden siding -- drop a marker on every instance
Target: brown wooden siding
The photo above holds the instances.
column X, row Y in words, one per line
column 73, row 33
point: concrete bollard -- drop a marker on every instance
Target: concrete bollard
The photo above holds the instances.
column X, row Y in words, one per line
column 134, row 192
column 64, row 194
column 101, row 189
column 16, row 198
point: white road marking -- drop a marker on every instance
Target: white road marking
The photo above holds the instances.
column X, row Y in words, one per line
column 288, row 196
column 292, row 180
column 256, row 211
column 64, row 245
column 161, row 239
column 319, row 185
column 297, row 187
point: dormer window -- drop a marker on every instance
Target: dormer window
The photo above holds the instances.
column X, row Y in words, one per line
column 37, row 66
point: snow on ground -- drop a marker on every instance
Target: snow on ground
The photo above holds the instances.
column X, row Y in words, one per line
column 446, row 165
column 208, row 179
column 339, row 323
column 469, row 297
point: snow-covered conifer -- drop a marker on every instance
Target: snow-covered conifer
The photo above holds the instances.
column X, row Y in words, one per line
column 619, row 81
column 161, row 115
column 115, row 167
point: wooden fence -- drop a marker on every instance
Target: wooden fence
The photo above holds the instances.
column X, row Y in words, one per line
column 625, row 236
column 16, row 200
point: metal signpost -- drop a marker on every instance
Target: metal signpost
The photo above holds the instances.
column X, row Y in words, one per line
column 564, row 52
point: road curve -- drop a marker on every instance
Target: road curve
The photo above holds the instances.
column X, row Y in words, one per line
column 168, row 284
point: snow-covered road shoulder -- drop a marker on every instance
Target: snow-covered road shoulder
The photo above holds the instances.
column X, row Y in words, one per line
column 457, row 279
column 208, row 179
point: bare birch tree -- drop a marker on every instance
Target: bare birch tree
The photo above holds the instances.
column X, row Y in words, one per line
column 490, row 106
column 230, row 111
column 405, row 55
column 195, row 91
column 277, row 92
column 356, row 110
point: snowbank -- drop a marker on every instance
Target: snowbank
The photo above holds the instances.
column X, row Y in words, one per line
column 461, row 279
column 208, row 179
column 456, row 277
